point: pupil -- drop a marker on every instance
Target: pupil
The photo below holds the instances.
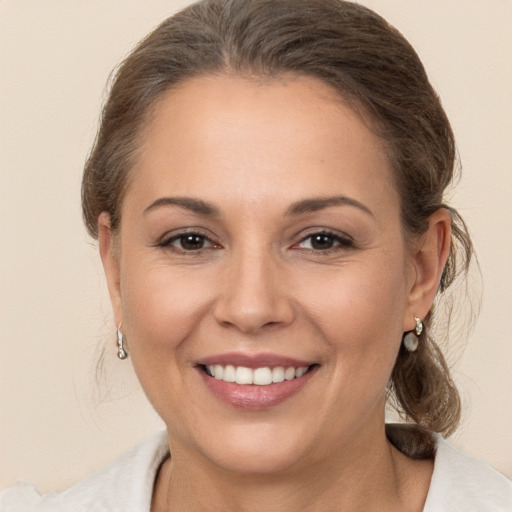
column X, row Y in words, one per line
column 192, row 242
column 322, row 242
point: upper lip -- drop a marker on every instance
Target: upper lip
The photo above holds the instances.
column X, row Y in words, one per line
column 253, row 360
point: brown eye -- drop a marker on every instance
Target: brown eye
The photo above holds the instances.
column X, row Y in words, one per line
column 191, row 242
column 188, row 242
column 322, row 241
column 325, row 242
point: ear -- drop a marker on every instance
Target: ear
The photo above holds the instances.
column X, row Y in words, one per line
column 429, row 255
column 110, row 260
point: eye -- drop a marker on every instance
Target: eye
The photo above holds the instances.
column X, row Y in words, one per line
column 325, row 241
column 188, row 242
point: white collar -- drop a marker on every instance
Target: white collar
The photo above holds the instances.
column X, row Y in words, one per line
column 459, row 484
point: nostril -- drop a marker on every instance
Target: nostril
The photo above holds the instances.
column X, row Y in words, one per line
column 250, row 317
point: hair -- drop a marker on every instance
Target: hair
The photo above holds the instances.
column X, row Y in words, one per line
column 372, row 67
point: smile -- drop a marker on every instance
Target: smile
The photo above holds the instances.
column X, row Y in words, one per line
column 255, row 381
column 263, row 376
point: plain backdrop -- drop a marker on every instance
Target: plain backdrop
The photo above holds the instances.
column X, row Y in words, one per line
column 59, row 419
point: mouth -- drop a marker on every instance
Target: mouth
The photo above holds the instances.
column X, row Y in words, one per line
column 255, row 382
column 260, row 376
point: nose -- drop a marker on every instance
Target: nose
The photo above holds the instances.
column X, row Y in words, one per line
column 254, row 293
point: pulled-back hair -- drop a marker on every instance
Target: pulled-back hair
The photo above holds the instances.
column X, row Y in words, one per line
column 372, row 67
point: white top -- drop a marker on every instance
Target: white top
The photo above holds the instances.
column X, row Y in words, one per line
column 459, row 484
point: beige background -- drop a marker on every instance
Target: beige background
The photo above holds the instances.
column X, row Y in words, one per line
column 57, row 424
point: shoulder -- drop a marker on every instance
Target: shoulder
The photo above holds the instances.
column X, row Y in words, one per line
column 460, row 482
column 126, row 485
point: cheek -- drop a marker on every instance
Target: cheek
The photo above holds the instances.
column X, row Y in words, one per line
column 162, row 309
column 359, row 312
column 161, row 305
column 362, row 299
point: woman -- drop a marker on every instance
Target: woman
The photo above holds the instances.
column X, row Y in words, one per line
column 267, row 192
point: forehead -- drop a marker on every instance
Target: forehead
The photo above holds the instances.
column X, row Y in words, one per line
column 257, row 138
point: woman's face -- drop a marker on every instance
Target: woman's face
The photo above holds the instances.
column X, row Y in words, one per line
column 260, row 238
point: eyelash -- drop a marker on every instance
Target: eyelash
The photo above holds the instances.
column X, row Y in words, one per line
column 167, row 243
column 339, row 242
column 342, row 242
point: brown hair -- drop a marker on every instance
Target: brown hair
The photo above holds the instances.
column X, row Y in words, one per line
column 371, row 66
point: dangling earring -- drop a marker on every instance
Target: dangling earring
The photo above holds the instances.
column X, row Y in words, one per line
column 121, row 352
column 411, row 339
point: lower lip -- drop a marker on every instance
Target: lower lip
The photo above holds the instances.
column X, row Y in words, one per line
column 253, row 396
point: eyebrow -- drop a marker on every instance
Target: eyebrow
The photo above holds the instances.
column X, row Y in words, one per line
column 299, row 208
column 320, row 203
column 189, row 203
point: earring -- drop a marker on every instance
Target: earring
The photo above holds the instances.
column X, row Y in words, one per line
column 121, row 352
column 411, row 339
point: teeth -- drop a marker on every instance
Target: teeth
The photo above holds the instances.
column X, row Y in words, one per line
column 218, row 371
column 262, row 376
column 229, row 374
column 299, row 372
column 289, row 374
column 244, row 375
column 278, row 374
column 259, row 376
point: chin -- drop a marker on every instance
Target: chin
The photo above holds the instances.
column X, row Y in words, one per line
column 256, row 450
column 251, row 461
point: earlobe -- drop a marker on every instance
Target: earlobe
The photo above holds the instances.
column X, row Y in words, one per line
column 429, row 258
column 110, row 261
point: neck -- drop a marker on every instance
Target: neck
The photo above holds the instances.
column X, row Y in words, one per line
column 365, row 474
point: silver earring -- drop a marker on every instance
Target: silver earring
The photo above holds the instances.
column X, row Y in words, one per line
column 411, row 339
column 121, row 352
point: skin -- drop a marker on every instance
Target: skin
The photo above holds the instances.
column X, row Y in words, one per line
column 252, row 149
